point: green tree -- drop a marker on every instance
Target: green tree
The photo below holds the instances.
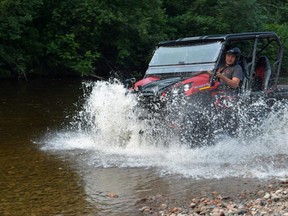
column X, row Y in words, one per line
column 18, row 36
column 240, row 16
column 277, row 20
column 86, row 36
column 132, row 32
column 200, row 17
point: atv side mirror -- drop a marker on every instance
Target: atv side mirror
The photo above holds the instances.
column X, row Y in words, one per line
column 129, row 82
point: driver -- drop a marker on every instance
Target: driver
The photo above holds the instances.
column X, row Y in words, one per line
column 231, row 74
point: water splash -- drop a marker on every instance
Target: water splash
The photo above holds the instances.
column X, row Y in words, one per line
column 109, row 129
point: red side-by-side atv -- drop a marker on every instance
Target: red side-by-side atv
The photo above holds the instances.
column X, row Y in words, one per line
column 178, row 69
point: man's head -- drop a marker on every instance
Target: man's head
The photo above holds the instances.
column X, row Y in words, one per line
column 232, row 55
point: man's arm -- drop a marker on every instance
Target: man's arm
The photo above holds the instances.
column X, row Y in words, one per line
column 232, row 83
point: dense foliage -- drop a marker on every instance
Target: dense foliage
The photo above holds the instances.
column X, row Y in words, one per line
column 92, row 37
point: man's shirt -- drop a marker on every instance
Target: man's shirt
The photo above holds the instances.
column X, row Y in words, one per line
column 231, row 72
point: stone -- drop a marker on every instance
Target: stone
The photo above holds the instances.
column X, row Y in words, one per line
column 261, row 193
column 195, row 200
column 262, row 203
column 112, row 195
column 278, row 192
column 215, row 193
column 242, row 212
column 192, row 205
column 145, row 209
column 176, row 210
column 284, row 181
column 267, row 196
column 163, row 206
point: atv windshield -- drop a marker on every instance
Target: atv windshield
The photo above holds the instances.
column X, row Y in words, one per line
column 189, row 54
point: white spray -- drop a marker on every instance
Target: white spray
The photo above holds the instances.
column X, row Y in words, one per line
column 109, row 128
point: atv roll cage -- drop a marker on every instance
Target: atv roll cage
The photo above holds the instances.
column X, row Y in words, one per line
column 178, row 91
column 179, row 67
column 252, row 44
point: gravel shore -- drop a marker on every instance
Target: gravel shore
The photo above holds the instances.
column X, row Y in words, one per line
column 273, row 200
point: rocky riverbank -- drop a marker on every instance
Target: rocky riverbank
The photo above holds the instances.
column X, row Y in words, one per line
column 271, row 200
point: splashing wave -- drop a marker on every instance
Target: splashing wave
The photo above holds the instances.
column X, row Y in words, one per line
column 109, row 128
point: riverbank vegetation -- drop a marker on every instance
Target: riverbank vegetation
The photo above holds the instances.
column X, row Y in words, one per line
column 94, row 37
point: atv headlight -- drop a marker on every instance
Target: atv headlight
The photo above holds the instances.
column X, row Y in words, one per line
column 187, row 86
column 176, row 91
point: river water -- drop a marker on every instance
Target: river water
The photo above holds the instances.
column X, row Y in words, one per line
column 72, row 147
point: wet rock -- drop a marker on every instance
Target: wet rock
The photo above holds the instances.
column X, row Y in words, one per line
column 271, row 187
column 215, row 193
column 267, row 196
column 275, row 198
column 242, row 212
column 163, row 206
column 158, row 196
column 271, row 202
column 151, row 198
column 195, row 200
column 278, row 192
column 142, row 200
column 261, row 193
column 203, row 213
column 262, row 203
column 145, row 209
column 112, row 195
column 176, row 210
column 181, row 214
column 215, row 211
column 284, row 181
column 210, row 207
column 225, row 197
column 192, row 205
column 197, row 210
column 231, row 206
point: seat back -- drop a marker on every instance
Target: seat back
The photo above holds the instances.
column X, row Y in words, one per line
column 246, row 69
column 262, row 74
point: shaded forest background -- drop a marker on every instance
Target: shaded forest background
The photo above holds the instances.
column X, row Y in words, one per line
column 92, row 37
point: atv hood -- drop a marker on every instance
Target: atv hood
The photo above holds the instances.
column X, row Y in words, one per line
column 159, row 86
